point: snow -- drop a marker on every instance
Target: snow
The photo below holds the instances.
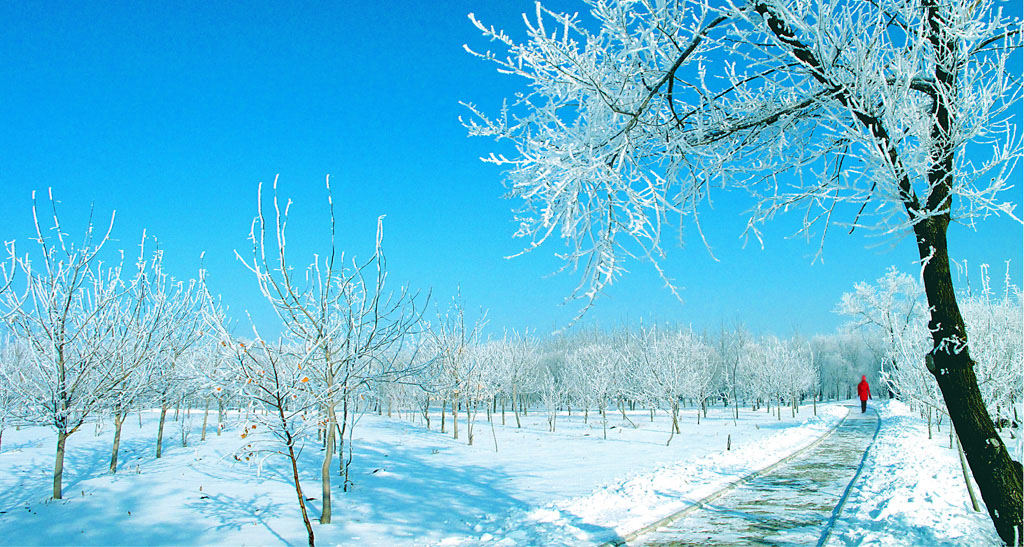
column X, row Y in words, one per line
column 420, row 487
column 912, row 491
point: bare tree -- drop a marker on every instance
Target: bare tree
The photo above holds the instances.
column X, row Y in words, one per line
column 861, row 114
column 178, row 331
column 453, row 340
column 272, row 376
column 342, row 314
column 135, row 345
column 64, row 319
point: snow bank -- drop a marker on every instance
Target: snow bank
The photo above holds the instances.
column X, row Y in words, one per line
column 911, row 491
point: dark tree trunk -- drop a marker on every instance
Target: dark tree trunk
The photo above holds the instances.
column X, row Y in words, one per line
column 999, row 478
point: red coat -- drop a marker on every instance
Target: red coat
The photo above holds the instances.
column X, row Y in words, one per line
column 863, row 390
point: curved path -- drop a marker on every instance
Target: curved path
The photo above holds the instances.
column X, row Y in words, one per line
column 795, row 503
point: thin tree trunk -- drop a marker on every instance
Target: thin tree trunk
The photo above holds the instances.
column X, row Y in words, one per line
column 929, row 423
column 967, row 477
column 444, row 403
column 346, row 424
column 220, row 415
column 455, row 418
column 160, row 430
column 298, row 493
column 58, row 464
column 622, row 409
column 674, row 427
column 289, row 441
column 495, row 437
column 469, row 422
column 325, row 469
column 735, row 402
column 206, row 415
column 118, row 421
column 515, row 408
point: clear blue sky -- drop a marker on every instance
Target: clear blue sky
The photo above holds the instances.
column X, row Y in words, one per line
column 171, row 113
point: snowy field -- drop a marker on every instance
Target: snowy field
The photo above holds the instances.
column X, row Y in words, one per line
column 419, row 487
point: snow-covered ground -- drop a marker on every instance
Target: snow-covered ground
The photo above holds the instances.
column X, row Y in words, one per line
column 419, row 487
column 412, row 486
column 912, row 490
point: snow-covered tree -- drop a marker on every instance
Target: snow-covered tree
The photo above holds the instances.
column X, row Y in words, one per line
column 272, row 376
column 453, row 340
column 134, row 348
column 595, row 369
column 729, row 349
column 179, row 331
column 995, row 325
column 514, row 358
column 344, row 315
column 62, row 315
column 894, row 307
column 840, row 359
column 671, row 365
column 11, row 406
column 862, row 114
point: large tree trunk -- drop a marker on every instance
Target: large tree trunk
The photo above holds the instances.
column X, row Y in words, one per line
column 118, row 422
column 999, row 478
column 58, row 464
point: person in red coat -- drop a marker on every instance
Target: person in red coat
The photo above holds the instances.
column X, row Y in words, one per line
column 865, row 393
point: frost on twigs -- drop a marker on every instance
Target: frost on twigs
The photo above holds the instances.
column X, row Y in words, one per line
column 635, row 115
column 344, row 329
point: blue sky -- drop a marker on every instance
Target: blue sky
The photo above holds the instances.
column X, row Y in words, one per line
column 171, row 113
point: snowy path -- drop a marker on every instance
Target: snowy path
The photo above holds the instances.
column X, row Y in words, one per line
column 790, row 505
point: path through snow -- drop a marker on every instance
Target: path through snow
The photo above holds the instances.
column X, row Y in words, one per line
column 790, row 505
